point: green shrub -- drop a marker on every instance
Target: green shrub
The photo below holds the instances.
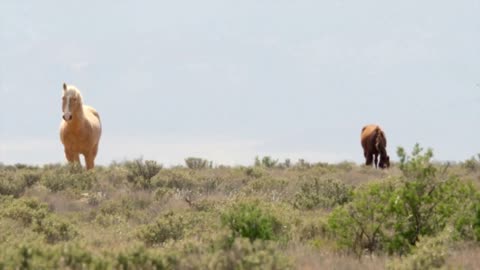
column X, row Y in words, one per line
column 121, row 209
column 255, row 172
column 472, row 164
column 245, row 254
column 266, row 184
column 247, row 219
column 75, row 257
column 163, row 193
column 141, row 172
column 476, row 223
column 322, row 194
column 345, row 166
column 286, row 164
column 204, row 205
column 39, row 256
column 14, row 182
column 197, row 163
column 392, row 216
column 30, row 212
column 429, row 253
column 424, row 202
column 363, row 223
column 27, row 211
column 141, row 258
column 55, row 229
column 466, row 219
column 174, row 179
column 169, row 226
column 71, row 176
column 302, row 164
column 311, row 229
column 266, row 161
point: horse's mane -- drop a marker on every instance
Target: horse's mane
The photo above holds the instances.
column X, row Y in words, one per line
column 75, row 92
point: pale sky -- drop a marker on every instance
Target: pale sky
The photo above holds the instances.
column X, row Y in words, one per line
column 229, row 80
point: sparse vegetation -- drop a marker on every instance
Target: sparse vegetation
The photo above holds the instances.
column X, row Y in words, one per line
column 272, row 215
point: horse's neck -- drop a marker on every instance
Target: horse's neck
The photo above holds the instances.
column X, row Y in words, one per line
column 78, row 119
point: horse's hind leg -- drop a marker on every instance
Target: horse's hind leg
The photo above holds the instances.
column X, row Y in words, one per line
column 369, row 159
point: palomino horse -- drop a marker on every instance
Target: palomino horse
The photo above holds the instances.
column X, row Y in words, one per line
column 374, row 144
column 80, row 128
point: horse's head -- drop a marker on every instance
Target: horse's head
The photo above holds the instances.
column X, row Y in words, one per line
column 71, row 101
column 384, row 161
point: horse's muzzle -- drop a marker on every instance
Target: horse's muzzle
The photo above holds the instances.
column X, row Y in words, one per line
column 67, row 117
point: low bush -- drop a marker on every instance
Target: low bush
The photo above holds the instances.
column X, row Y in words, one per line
column 363, row 223
column 266, row 184
column 71, row 177
column 175, row 179
column 27, row 211
column 266, row 161
column 318, row 193
column 429, row 253
column 392, row 215
column 14, row 182
column 245, row 254
column 55, row 229
column 247, row 219
column 32, row 213
column 197, row 163
column 140, row 172
column 169, row 226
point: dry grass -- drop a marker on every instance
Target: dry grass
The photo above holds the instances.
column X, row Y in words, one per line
column 466, row 256
column 309, row 259
column 108, row 215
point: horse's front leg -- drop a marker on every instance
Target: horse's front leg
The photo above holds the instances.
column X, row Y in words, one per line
column 90, row 157
column 375, row 160
column 89, row 161
column 72, row 156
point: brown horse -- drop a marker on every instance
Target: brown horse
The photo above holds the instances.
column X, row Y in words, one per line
column 374, row 144
column 80, row 128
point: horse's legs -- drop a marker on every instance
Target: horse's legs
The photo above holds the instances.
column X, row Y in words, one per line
column 90, row 157
column 369, row 159
column 375, row 160
column 89, row 161
column 72, row 156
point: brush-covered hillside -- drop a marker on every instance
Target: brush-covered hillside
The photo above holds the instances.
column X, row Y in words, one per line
column 272, row 215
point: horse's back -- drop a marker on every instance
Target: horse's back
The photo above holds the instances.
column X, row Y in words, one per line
column 93, row 118
column 92, row 111
column 368, row 131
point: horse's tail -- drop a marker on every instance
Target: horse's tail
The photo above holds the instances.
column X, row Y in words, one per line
column 380, row 140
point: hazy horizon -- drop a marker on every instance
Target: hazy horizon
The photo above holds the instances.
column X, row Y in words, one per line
column 228, row 81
